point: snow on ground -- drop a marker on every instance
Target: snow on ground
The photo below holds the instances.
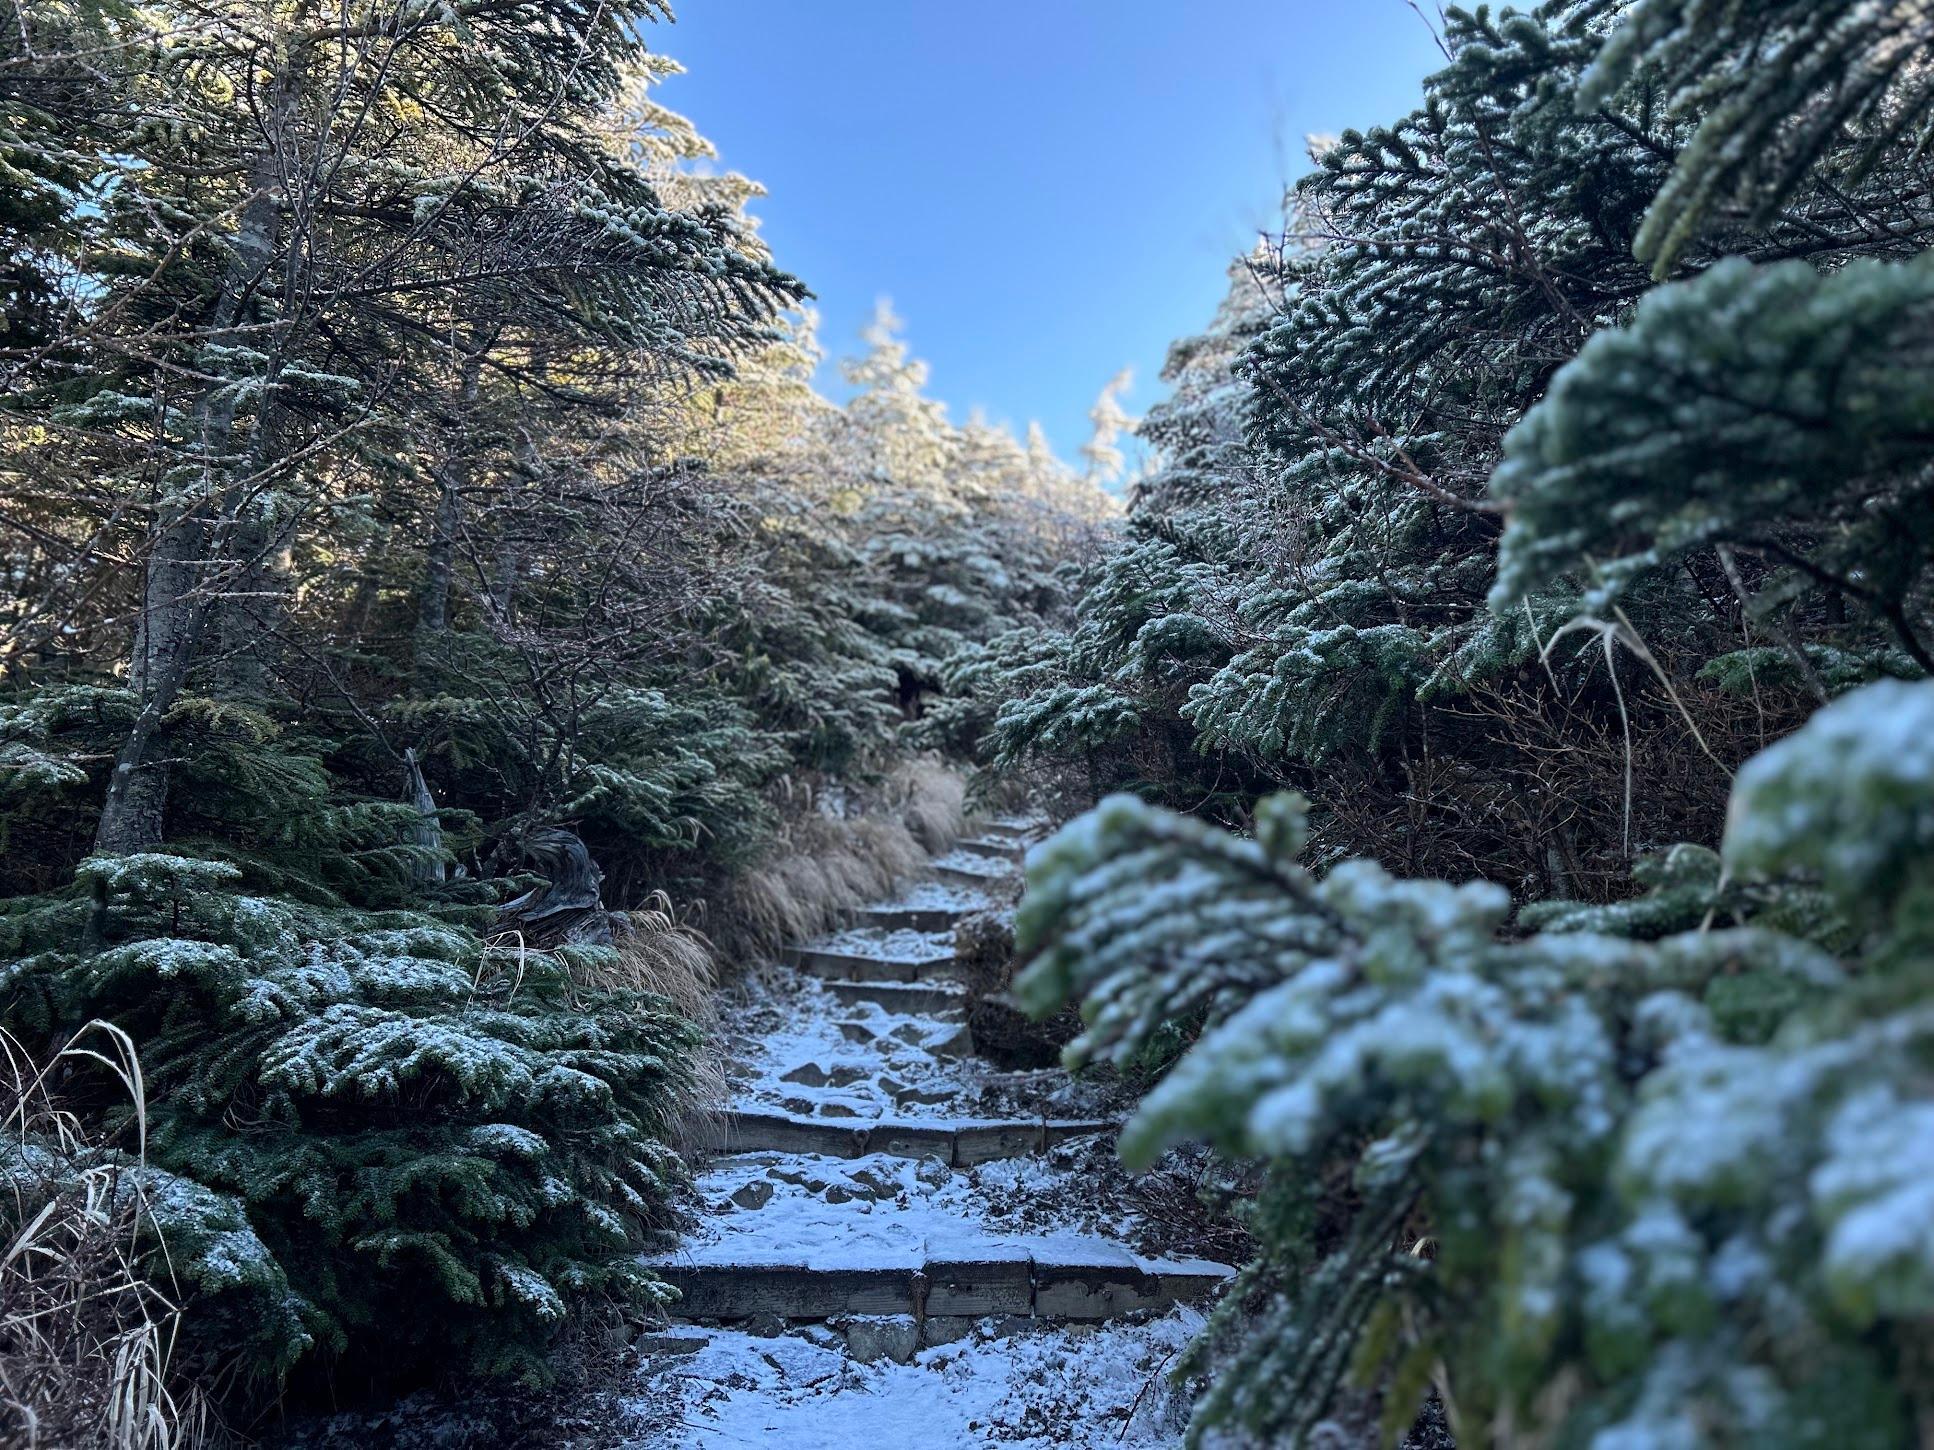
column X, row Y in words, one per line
column 937, row 896
column 792, row 1208
column 903, row 945
column 991, row 867
column 798, row 1049
column 1077, row 1386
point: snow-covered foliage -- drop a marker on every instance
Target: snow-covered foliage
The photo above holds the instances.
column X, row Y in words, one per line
column 376, row 1140
column 1458, row 522
column 1542, row 575
column 416, row 459
column 1575, row 1161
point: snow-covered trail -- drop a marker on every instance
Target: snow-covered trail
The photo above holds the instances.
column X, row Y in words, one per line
column 904, row 1245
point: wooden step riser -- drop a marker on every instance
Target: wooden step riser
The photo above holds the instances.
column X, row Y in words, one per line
column 840, row 967
column 1012, row 851
column 933, row 918
column 962, row 1145
column 953, row 876
column 1019, row 1286
column 909, row 998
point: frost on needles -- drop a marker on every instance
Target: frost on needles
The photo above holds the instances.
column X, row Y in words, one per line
column 1703, row 1219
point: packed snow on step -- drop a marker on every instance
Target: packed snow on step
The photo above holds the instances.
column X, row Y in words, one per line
column 937, row 896
column 966, row 863
column 896, row 945
column 1086, row 1387
column 884, row 1212
column 800, row 1050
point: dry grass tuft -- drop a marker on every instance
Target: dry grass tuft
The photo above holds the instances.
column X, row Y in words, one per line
column 824, row 868
column 931, row 800
column 85, row 1338
column 657, row 953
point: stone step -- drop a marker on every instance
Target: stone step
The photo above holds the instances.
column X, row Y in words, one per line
column 961, row 1144
column 995, row 848
column 919, row 918
column 967, row 876
column 855, row 967
column 909, row 998
column 1045, row 1283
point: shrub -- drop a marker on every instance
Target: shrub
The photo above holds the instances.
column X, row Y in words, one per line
column 432, row 1146
column 1589, row 1192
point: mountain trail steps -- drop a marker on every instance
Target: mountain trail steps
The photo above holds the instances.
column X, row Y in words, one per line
column 888, row 1256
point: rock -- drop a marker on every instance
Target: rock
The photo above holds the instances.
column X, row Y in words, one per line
column 754, row 1195
column 807, row 1074
column 909, row 1034
column 799, row 1178
column 801, row 1363
column 819, row 1335
column 765, row 1326
column 934, row 1172
column 922, row 1097
column 845, row 1075
column 958, row 1043
column 937, row 1329
column 857, row 1032
column 896, row 1338
column 838, row 1193
column 876, row 1183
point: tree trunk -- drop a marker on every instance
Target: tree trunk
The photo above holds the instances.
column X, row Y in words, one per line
column 433, row 606
column 164, row 646
column 453, row 476
column 174, row 604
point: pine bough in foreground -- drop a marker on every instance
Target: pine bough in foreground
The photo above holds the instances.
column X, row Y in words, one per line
column 1666, row 1192
column 373, row 1141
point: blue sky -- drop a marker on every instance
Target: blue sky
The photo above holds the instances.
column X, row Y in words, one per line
column 1047, row 190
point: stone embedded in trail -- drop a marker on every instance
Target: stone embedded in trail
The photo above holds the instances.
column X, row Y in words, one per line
column 877, row 1184
column 895, row 1338
column 958, row 1043
column 754, row 1195
column 903, row 1095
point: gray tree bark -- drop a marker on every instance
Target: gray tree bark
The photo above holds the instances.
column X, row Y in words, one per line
column 174, row 601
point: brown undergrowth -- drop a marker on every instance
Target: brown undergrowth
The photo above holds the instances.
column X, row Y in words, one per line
column 86, row 1333
column 835, row 857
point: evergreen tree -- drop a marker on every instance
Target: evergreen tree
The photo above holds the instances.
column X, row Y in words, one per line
column 435, row 484
column 1557, row 546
